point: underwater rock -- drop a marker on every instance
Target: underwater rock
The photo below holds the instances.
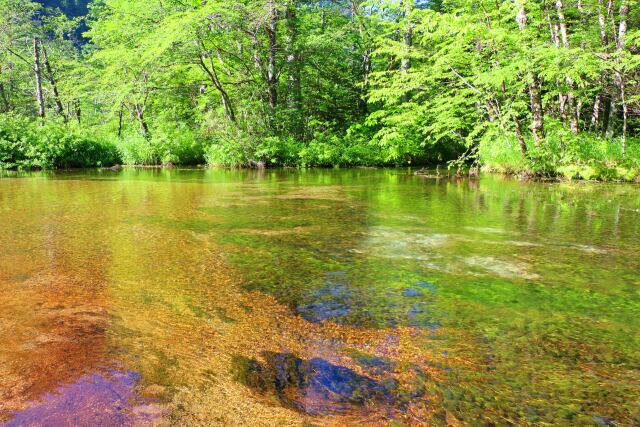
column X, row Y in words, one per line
column 604, row 421
column 425, row 285
column 412, row 292
column 312, row 386
column 374, row 364
column 417, row 316
column 329, row 302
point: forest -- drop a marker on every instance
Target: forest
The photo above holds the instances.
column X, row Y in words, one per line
column 533, row 87
column 395, row 213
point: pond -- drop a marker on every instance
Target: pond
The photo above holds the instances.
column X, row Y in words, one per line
column 318, row 297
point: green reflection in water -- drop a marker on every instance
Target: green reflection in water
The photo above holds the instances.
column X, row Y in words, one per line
column 519, row 301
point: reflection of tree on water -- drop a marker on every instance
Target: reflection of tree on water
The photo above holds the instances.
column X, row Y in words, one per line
column 53, row 322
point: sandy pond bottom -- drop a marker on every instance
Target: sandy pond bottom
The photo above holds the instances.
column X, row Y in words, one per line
column 350, row 297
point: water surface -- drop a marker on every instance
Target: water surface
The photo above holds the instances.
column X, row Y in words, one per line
column 338, row 297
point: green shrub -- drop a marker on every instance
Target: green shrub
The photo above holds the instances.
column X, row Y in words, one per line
column 25, row 144
column 135, row 149
column 177, row 146
column 229, row 149
column 583, row 156
column 353, row 149
column 501, row 153
column 277, row 151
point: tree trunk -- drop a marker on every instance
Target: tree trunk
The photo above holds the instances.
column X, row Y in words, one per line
column 366, row 72
column 3, row 97
column 405, row 63
column 78, row 110
column 554, row 30
column 213, row 76
column 595, row 116
column 574, row 113
column 570, row 105
column 139, row 112
column 294, row 98
column 38, row 75
column 606, row 116
column 619, row 77
column 604, row 41
column 272, row 76
column 520, row 137
column 52, row 82
column 366, row 57
column 563, row 23
column 612, row 19
column 257, row 59
column 120, row 120
column 521, row 17
column 537, row 112
column 562, row 105
column 602, row 23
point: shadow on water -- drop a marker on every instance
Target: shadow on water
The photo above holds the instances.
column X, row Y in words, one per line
column 419, row 314
column 334, row 300
column 331, row 300
column 313, row 386
column 98, row 399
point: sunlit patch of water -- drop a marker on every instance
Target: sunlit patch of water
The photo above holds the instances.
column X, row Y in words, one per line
column 507, row 269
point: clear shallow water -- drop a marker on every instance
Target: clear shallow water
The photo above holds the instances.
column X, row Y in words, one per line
column 211, row 297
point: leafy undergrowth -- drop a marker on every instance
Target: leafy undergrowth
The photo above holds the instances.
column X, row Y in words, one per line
column 563, row 155
column 25, row 144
